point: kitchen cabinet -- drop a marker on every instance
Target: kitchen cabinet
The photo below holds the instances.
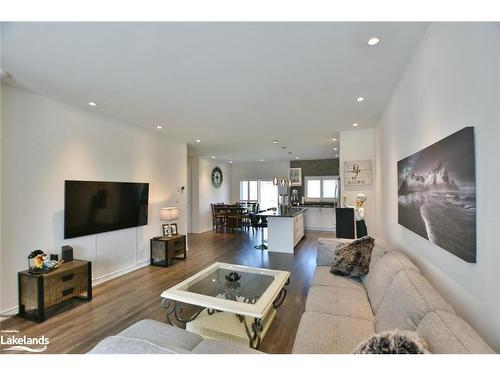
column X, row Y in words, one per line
column 320, row 218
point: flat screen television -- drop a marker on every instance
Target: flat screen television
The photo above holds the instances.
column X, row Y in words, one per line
column 92, row 207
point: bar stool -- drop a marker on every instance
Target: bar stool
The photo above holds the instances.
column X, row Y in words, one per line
column 256, row 224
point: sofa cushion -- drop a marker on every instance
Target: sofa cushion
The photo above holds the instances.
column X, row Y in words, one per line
column 127, row 345
column 353, row 259
column 382, row 273
column 327, row 248
column 162, row 334
column 322, row 276
column 222, row 347
column 446, row 333
column 377, row 253
column 323, row 334
column 407, row 300
column 348, row 302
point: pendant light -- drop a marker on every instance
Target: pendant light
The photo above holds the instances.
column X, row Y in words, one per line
column 275, row 178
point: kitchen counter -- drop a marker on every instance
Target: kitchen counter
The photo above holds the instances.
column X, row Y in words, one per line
column 285, row 228
column 294, row 211
column 316, row 206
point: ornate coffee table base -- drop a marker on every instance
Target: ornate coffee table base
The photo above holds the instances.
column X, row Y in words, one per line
column 223, row 325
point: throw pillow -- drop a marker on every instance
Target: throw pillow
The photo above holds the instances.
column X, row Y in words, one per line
column 353, row 259
column 393, row 342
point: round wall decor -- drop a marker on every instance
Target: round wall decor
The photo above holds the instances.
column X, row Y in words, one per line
column 217, row 177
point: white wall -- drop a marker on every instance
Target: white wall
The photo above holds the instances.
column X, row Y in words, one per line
column 359, row 144
column 1, row 88
column 45, row 142
column 452, row 81
column 202, row 192
column 255, row 171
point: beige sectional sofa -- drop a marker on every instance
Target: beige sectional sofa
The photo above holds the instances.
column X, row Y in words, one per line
column 341, row 312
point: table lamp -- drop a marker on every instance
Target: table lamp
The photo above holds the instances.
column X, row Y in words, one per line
column 169, row 214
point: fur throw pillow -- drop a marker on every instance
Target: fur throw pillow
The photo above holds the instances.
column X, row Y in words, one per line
column 353, row 259
column 393, row 342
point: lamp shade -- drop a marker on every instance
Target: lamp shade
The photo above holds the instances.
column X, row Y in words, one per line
column 169, row 213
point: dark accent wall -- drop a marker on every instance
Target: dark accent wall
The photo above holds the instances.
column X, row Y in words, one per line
column 323, row 167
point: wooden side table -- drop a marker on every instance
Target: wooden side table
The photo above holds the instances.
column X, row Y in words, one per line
column 37, row 292
column 164, row 249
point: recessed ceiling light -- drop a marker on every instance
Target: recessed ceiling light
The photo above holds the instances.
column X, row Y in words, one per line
column 355, row 124
column 230, row 162
column 373, row 41
column 198, row 141
column 334, row 139
column 296, row 157
column 289, row 152
column 213, row 157
column 159, row 127
column 283, row 147
column 335, row 149
column 336, row 156
column 275, row 141
column 92, row 104
column 360, row 99
column 261, row 159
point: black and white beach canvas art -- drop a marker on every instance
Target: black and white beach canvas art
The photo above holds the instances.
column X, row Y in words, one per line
column 437, row 194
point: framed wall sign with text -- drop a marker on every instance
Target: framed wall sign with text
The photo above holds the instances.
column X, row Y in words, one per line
column 358, row 173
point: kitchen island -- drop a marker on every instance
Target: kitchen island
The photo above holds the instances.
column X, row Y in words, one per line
column 285, row 228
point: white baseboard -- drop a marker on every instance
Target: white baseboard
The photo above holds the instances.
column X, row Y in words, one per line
column 203, row 230
column 319, row 229
column 98, row 280
column 12, row 311
column 123, row 271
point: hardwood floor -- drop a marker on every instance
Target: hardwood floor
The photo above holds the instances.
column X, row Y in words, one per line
column 127, row 299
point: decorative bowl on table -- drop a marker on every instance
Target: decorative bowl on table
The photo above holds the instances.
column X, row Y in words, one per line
column 233, row 277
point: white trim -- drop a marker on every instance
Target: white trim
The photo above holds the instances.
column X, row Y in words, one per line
column 12, row 311
column 202, row 230
column 319, row 229
column 120, row 272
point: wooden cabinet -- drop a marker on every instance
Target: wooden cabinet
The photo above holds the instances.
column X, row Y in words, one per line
column 320, row 218
column 38, row 292
column 164, row 249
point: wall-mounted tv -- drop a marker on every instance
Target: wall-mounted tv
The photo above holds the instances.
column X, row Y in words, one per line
column 92, row 207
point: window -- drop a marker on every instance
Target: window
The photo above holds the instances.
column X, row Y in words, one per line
column 313, row 189
column 248, row 190
column 268, row 195
column 252, row 191
column 261, row 191
column 321, row 188
column 244, row 190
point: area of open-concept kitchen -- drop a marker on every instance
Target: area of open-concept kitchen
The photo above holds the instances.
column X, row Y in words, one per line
column 281, row 201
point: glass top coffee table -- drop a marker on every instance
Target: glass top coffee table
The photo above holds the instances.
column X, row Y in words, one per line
column 234, row 302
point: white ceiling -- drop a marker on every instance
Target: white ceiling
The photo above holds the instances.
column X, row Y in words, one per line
column 234, row 86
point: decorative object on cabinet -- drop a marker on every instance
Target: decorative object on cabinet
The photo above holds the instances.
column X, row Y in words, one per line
column 164, row 249
column 173, row 229
column 168, row 214
column 39, row 292
column 345, row 223
column 437, row 194
column 295, row 176
column 358, row 173
column 217, row 177
column 66, row 253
